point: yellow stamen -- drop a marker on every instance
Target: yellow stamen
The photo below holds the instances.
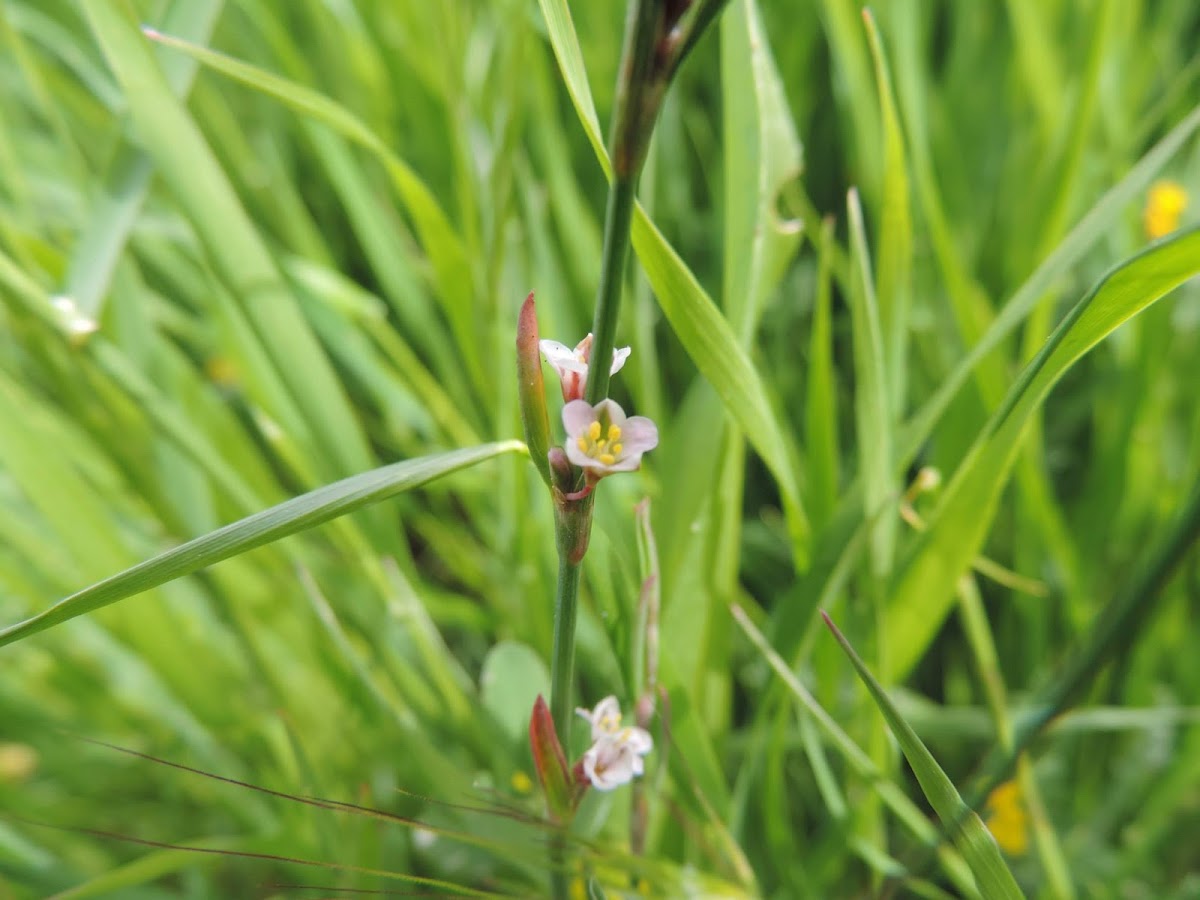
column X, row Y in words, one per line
column 601, row 444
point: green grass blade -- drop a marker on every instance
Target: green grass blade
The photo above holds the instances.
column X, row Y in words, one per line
column 924, row 588
column 968, row 832
column 871, row 402
column 237, row 251
column 857, row 759
column 438, row 237
column 893, row 276
column 127, row 180
column 279, row 521
column 762, row 154
column 820, row 403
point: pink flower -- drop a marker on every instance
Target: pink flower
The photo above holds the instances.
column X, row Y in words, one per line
column 605, row 719
column 615, row 759
column 615, row 756
column 572, row 365
column 601, row 440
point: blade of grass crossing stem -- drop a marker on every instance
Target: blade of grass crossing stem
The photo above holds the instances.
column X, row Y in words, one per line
column 893, row 276
column 289, row 517
column 924, row 588
column 103, row 239
column 187, row 166
column 705, row 334
column 871, row 403
column 762, row 154
column 968, row 832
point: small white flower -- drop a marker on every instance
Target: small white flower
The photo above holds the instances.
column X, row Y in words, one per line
column 602, row 440
column 616, row 758
column 572, row 365
column 605, row 719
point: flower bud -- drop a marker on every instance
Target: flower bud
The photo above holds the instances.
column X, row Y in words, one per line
column 550, row 762
column 531, row 391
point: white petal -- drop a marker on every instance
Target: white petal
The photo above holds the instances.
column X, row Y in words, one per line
column 562, row 357
column 607, row 765
column 619, row 357
column 577, row 416
column 606, row 717
column 639, row 434
column 578, row 458
column 611, row 410
column 629, row 462
column 638, row 740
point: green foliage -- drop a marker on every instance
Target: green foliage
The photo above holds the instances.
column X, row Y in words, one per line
column 260, row 278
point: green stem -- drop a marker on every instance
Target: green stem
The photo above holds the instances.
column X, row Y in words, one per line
column 617, row 218
column 639, row 92
column 566, row 607
column 568, row 519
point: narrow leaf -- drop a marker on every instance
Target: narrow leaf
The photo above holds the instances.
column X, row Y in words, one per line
column 289, row 517
column 967, row 830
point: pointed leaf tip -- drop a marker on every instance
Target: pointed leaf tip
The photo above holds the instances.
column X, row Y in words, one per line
column 531, row 390
column 550, row 762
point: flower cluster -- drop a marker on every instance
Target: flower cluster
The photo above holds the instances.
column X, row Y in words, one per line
column 615, row 756
column 601, row 439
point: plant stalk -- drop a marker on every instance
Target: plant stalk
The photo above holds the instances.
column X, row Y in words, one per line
column 647, row 63
column 562, row 665
column 617, row 218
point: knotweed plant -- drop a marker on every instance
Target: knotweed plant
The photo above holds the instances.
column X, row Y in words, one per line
column 910, row 343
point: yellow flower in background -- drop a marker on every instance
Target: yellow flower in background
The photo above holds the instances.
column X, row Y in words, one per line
column 1007, row 820
column 1164, row 206
column 521, row 783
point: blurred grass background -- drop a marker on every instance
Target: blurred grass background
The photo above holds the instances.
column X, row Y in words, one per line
column 277, row 306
